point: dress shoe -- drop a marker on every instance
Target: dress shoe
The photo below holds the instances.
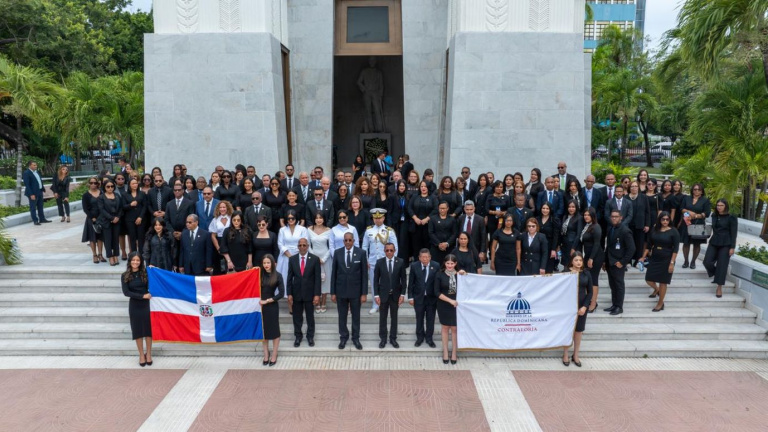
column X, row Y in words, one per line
column 617, row 311
column 382, row 344
column 685, row 264
column 609, row 309
column 311, row 341
column 394, row 343
column 297, row 342
column 657, row 309
column 38, row 223
column 358, row 345
column 149, row 363
column 445, row 360
column 45, row 221
column 418, row 343
column 431, row 344
column 577, row 363
column 453, row 362
column 693, row 265
column 272, row 363
column 342, row 344
column 566, row 363
column 373, row 310
column 265, row 362
column 596, row 305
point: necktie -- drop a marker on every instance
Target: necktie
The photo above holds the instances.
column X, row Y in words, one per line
column 304, row 192
column 469, row 224
column 302, row 265
column 426, row 273
column 207, row 208
column 191, row 237
column 290, row 183
column 349, row 258
column 390, row 267
column 178, row 203
column 325, row 195
column 319, row 206
column 618, row 204
column 550, row 197
column 381, row 163
column 159, row 200
column 610, row 193
column 562, row 182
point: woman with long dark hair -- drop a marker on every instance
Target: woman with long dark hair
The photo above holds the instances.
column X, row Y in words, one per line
column 320, row 245
column 590, row 245
column 358, row 167
column 359, row 218
column 341, row 200
column 159, row 246
column 264, row 241
column 534, row 186
column 135, row 285
column 585, row 296
column 236, row 244
column 569, row 232
column 447, row 193
column 663, row 245
column 532, row 250
column 288, row 241
column 668, row 202
column 228, row 190
column 503, row 248
column 695, row 208
column 364, row 192
column 496, row 206
column 292, row 204
column 399, row 218
column 382, row 200
column 467, row 257
column 679, row 196
column 272, row 290
column 110, row 212
column 445, row 291
column 420, row 209
column 60, row 188
column 274, row 199
column 135, row 211
column 641, row 219
column 549, row 225
column 91, row 233
column 722, row 244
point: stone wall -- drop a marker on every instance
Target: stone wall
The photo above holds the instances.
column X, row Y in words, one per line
column 214, row 99
column 517, row 101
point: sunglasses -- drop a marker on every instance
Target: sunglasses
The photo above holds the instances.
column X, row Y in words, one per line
column 207, row 193
column 158, row 181
column 255, row 199
column 465, row 172
column 109, row 187
column 93, row 182
column 261, row 224
column 178, row 190
column 226, row 176
column 318, row 195
column 342, row 217
column 290, row 218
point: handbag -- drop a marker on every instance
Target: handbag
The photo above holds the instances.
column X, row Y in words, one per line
column 98, row 227
column 699, row 232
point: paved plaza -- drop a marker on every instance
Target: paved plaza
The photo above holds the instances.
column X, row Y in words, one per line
column 377, row 390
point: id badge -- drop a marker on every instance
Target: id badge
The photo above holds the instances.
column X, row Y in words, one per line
column 618, row 245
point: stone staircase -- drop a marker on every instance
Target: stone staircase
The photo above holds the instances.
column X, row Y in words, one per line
column 82, row 311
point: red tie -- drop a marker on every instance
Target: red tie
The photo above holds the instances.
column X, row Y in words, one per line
column 469, row 224
column 302, row 266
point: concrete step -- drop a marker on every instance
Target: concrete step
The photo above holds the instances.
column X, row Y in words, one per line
column 641, row 348
column 101, row 271
column 369, row 332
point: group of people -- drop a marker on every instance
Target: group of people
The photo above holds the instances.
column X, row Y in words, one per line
column 355, row 236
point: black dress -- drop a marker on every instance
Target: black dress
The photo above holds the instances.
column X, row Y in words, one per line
column 159, row 251
column 505, row 258
column 399, row 223
column 677, row 202
column 264, row 246
column 360, row 221
column 421, row 207
column 441, row 231
column 454, row 202
column 270, row 312
column 138, row 306
column 468, row 261
column 91, row 210
column 585, row 297
column 275, row 203
column 299, row 209
column 702, row 206
column 244, row 201
column 662, row 246
column 551, row 230
column 654, row 203
column 238, row 248
column 445, row 284
column 230, row 194
column 589, row 244
column 568, row 236
column 494, row 203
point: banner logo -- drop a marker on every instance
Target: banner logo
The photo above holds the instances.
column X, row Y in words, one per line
column 518, row 307
column 206, row 311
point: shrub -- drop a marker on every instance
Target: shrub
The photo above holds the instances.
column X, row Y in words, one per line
column 7, row 182
column 668, row 166
column 754, row 253
column 10, row 163
column 600, row 169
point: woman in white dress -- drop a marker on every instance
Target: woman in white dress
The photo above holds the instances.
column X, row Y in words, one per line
column 319, row 244
column 343, row 227
column 288, row 241
column 222, row 218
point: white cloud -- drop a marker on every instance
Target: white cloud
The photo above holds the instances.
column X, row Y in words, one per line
column 660, row 16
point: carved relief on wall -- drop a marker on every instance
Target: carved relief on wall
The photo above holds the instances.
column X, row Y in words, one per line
column 496, row 14
column 187, row 15
column 229, row 15
column 538, row 17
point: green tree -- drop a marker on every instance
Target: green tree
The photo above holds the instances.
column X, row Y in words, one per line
column 121, row 110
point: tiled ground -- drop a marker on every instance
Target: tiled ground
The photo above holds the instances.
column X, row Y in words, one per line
column 344, row 400
column 646, row 401
column 81, row 399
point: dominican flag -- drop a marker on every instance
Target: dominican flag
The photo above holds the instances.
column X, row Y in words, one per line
column 205, row 309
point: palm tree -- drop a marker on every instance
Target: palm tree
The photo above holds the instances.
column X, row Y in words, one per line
column 121, row 108
column 709, row 28
column 30, row 91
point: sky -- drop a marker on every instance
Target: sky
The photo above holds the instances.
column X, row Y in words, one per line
column 660, row 16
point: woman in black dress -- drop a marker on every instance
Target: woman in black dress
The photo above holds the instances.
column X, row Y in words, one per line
column 446, row 193
column 341, row 200
column 228, row 190
column 695, row 209
column 663, row 245
column 569, row 232
column 264, row 241
column 159, row 246
column 532, row 250
column 60, row 189
column 236, row 244
column 272, row 290
column 503, row 248
column 110, row 212
column 358, row 217
column 679, row 196
column 384, row 201
column 135, row 211
column 420, row 209
column 358, row 167
column 399, row 218
column 445, row 291
column 722, row 244
column 640, row 223
column 191, row 191
column 590, row 245
column 467, row 258
column 654, row 200
column 91, row 210
column 246, row 191
column 412, row 183
column 442, row 232
column 274, row 199
column 668, row 202
column 136, row 286
column 534, row 186
column 496, row 206
column 461, row 192
column 585, row 296
column 292, row 203
column 364, row 192
column 575, row 194
column 549, row 225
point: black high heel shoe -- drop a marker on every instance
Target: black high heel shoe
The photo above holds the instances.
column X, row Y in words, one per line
column 266, row 361
column 596, row 305
column 578, row 364
column 272, row 363
column 693, row 265
column 658, row 309
column 445, row 360
column 566, row 363
column 685, row 264
column 654, row 295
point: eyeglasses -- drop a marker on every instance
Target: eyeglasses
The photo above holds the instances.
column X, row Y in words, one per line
column 318, row 195
column 109, row 187
column 531, row 226
column 389, row 250
column 465, row 172
column 348, row 240
column 255, row 199
column 665, row 219
column 207, row 193
column 290, row 218
column 93, row 182
column 261, row 224
column 274, row 184
column 560, row 167
column 342, row 217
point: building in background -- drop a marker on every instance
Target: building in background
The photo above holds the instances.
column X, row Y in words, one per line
column 626, row 14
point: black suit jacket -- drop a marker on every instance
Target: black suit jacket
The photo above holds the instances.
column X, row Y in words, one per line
column 349, row 282
column 417, row 286
column 383, row 283
column 284, row 184
column 300, row 193
column 376, row 169
column 251, row 216
column 627, row 211
column 197, row 256
column 597, row 203
column 165, row 195
column 478, row 236
column 470, row 193
column 177, row 218
column 406, row 169
column 568, row 178
column 534, row 257
column 303, row 288
column 520, row 217
column 328, row 213
column 621, row 236
column 557, row 202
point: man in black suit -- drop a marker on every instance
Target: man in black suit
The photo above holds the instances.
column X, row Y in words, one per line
column 389, row 286
column 303, row 189
column 303, row 290
column 421, row 295
column 289, row 182
column 475, row 226
column 317, row 175
column 407, row 166
column 253, row 212
column 325, row 184
column 196, row 254
column 521, row 213
column 552, row 196
column 338, row 181
column 379, row 166
column 619, row 249
column 624, row 206
column 349, row 285
column 158, row 197
column 176, row 212
column 564, row 177
column 319, row 205
column 594, row 197
column 607, row 192
column 470, row 185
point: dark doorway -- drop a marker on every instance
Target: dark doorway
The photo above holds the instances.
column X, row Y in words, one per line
column 349, row 111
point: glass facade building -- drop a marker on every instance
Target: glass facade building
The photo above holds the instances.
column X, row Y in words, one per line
column 626, row 14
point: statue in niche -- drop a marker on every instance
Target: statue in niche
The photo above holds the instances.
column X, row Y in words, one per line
column 371, row 84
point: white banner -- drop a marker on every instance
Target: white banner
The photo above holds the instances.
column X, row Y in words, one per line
column 508, row 313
